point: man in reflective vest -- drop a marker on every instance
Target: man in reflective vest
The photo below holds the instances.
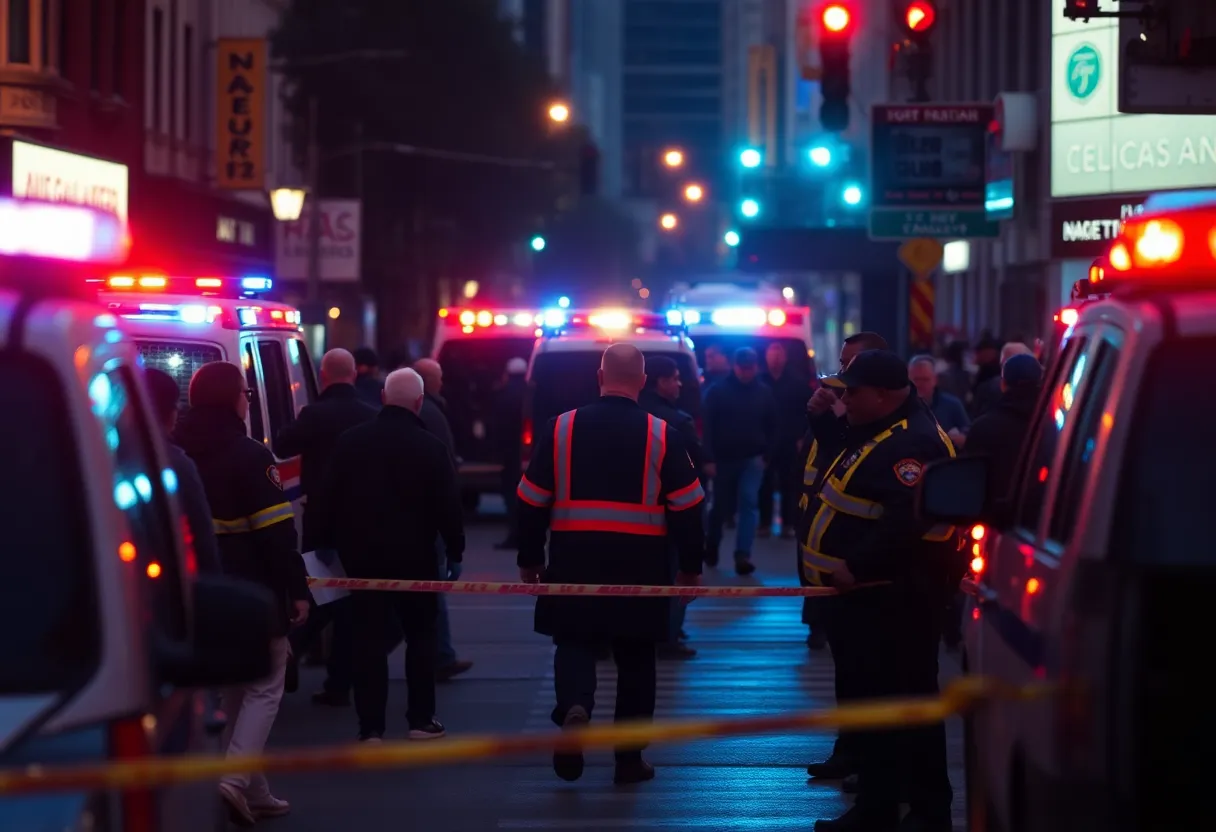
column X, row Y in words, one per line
column 614, row 488
column 863, row 530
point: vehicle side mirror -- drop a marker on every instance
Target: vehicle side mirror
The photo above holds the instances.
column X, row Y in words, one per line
column 233, row 624
column 954, row 490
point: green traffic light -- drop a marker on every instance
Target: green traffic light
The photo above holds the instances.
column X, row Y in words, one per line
column 538, row 243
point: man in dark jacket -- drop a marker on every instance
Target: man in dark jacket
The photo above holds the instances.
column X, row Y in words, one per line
column 390, row 491
column 256, row 531
column 659, row 399
column 368, row 382
column 989, row 393
column 717, row 367
column 313, row 436
column 165, row 399
column 740, row 418
column 791, row 393
column 611, row 488
column 1001, row 431
column 507, row 434
column 435, row 419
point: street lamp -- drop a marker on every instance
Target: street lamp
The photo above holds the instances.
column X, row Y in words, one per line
column 694, row 192
column 559, row 112
column 750, row 158
column 287, row 203
column 669, row 222
column 731, row 238
column 749, row 208
column 538, row 243
column 673, row 158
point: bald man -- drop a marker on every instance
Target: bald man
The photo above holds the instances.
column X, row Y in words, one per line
column 313, row 436
column 389, row 493
column 612, row 489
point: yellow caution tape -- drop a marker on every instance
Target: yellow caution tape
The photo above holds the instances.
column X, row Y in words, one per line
column 960, row 696
column 623, row 590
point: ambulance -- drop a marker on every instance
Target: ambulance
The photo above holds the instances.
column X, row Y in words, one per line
column 566, row 356
column 110, row 637
column 473, row 345
column 178, row 324
column 1094, row 571
column 727, row 317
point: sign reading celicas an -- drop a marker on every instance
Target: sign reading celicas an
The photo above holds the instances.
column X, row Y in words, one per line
column 1097, row 150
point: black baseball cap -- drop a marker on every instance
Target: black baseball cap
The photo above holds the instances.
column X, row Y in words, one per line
column 872, row 368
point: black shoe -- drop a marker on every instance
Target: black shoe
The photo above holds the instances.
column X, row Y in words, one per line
column 849, row 784
column 331, row 699
column 291, row 679
column 816, row 640
column 433, row 730
column 858, row 820
column 833, row 768
column 743, row 566
column 568, row 765
column 449, row 671
column 637, row 771
column 675, row 651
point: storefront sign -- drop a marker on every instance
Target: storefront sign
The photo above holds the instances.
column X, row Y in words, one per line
column 340, row 243
column 240, row 118
column 58, row 176
column 1097, row 150
column 1084, row 228
column 237, row 232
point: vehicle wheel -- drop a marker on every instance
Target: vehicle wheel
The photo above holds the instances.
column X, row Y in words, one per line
column 470, row 500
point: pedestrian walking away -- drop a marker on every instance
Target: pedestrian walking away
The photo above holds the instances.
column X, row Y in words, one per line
column 783, row 474
column 368, row 382
column 740, row 418
column 389, row 492
column 313, row 436
column 256, row 536
column 507, row 431
column 612, row 488
column 863, row 529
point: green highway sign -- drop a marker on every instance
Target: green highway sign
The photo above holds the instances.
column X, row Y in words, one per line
column 907, row 223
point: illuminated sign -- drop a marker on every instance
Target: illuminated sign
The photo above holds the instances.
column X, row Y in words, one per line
column 58, row 176
column 240, row 117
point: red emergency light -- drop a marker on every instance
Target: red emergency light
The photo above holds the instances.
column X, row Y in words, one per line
column 920, row 16
column 491, row 321
column 231, row 287
column 57, row 231
column 1168, row 244
column 836, row 18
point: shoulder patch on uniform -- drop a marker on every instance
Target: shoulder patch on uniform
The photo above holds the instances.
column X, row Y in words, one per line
column 272, row 474
column 909, row 471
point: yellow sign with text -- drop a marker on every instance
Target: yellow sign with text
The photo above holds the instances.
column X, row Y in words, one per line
column 242, row 78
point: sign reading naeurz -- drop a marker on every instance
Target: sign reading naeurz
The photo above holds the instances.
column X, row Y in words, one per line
column 928, row 171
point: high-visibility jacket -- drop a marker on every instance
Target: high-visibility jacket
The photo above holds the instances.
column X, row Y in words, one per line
column 614, row 488
column 862, row 513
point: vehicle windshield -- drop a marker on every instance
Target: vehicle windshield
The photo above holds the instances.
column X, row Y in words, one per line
column 48, row 601
column 472, row 373
column 800, row 361
column 178, row 359
column 562, row 381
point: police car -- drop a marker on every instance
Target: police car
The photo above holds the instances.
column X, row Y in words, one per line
column 1094, row 572
column 178, row 324
column 473, row 345
column 727, row 317
column 564, row 361
column 107, row 633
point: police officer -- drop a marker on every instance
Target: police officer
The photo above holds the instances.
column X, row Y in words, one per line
column 614, row 487
column 863, row 529
column 257, row 540
column 824, row 440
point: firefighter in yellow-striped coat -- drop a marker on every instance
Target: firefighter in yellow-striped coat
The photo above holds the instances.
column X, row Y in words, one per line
column 614, row 488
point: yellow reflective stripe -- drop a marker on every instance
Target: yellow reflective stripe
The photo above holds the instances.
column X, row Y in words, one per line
column 819, row 526
column 269, row 516
column 241, row 524
column 866, row 450
column 809, row 471
column 945, row 437
column 846, row 504
column 939, row 534
column 819, row 562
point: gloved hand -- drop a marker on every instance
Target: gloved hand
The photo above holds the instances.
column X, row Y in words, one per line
column 454, row 570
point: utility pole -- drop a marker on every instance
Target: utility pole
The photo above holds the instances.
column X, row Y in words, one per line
column 315, row 314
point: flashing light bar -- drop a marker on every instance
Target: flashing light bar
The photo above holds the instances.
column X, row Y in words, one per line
column 606, row 321
column 1067, row 316
column 239, row 287
column 1175, row 243
column 56, row 231
column 205, row 314
column 470, row 320
column 743, row 317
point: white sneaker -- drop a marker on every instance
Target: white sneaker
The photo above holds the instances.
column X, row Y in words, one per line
column 433, row 730
column 268, row 807
column 238, row 808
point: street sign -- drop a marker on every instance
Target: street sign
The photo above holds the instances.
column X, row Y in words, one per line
column 928, row 171
column 921, row 256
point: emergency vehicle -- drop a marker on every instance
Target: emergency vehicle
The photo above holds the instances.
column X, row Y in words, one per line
column 109, row 637
column 564, row 361
column 1093, row 572
column 473, row 345
column 178, row 324
column 728, row 317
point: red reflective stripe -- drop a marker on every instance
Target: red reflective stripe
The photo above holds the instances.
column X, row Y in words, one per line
column 686, row 497
column 533, row 494
column 607, row 526
column 632, row 508
column 685, row 491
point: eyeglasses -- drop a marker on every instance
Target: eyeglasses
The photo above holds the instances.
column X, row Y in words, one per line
column 248, row 394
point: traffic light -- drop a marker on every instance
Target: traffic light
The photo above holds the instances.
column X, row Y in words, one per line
column 835, row 32
column 589, row 170
column 538, row 243
column 749, row 208
column 919, row 18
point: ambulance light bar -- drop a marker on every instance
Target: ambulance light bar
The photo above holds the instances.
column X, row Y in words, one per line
column 56, row 231
column 229, row 317
column 205, row 286
column 471, row 320
column 557, row 321
column 1067, row 316
column 735, row 317
column 1175, row 243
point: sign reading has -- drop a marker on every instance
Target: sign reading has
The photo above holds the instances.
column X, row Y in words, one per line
column 1097, row 150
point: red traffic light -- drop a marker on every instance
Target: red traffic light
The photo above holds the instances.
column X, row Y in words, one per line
column 836, row 18
column 920, row 16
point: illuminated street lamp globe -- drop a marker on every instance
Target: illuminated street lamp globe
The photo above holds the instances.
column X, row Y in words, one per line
column 668, row 221
column 559, row 112
column 287, row 203
column 694, row 193
column 673, row 158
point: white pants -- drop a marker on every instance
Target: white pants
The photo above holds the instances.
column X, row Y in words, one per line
column 251, row 711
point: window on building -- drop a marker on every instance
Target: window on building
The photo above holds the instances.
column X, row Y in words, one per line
column 188, row 82
column 119, row 46
column 174, row 123
column 46, row 20
column 158, row 65
column 18, row 31
column 95, row 45
column 63, row 44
